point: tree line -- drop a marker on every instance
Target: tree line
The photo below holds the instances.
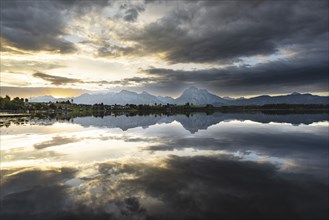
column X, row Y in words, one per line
column 6, row 103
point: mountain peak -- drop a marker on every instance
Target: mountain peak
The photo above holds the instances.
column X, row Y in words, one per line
column 295, row 93
column 198, row 96
column 126, row 92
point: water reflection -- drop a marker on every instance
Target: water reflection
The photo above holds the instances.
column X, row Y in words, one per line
column 191, row 122
column 220, row 166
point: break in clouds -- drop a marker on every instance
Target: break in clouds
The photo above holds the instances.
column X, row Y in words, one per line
column 249, row 47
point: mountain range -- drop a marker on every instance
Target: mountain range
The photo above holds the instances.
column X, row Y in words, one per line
column 191, row 95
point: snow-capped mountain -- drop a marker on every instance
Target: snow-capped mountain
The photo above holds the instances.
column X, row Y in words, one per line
column 197, row 96
column 166, row 99
column 191, row 95
column 121, row 98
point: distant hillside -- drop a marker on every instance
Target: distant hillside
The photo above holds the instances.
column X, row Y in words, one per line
column 294, row 98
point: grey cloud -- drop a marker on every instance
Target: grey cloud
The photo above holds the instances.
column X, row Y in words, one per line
column 133, row 80
column 209, row 31
column 131, row 14
column 56, row 80
column 304, row 74
column 59, row 80
column 34, row 25
column 129, row 10
column 108, row 50
column 41, row 25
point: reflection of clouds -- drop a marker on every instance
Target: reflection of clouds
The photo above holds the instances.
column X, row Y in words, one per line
column 211, row 187
column 231, row 170
column 62, row 148
column 21, row 154
column 303, row 147
column 55, row 141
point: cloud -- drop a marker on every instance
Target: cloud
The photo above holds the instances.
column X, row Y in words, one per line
column 41, row 26
column 34, row 26
column 131, row 13
column 133, row 81
column 222, row 31
column 17, row 66
column 59, row 80
column 56, row 80
column 109, row 50
column 306, row 73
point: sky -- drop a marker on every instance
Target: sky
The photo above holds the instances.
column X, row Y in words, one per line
column 65, row 48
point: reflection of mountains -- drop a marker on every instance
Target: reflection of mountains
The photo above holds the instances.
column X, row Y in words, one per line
column 195, row 122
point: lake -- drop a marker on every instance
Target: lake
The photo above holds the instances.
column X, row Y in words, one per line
column 198, row 166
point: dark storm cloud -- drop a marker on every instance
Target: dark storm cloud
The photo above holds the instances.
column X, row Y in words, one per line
column 41, row 25
column 56, row 80
column 208, row 31
column 305, row 74
column 34, row 25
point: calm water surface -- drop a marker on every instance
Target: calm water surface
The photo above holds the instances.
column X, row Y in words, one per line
column 219, row 166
